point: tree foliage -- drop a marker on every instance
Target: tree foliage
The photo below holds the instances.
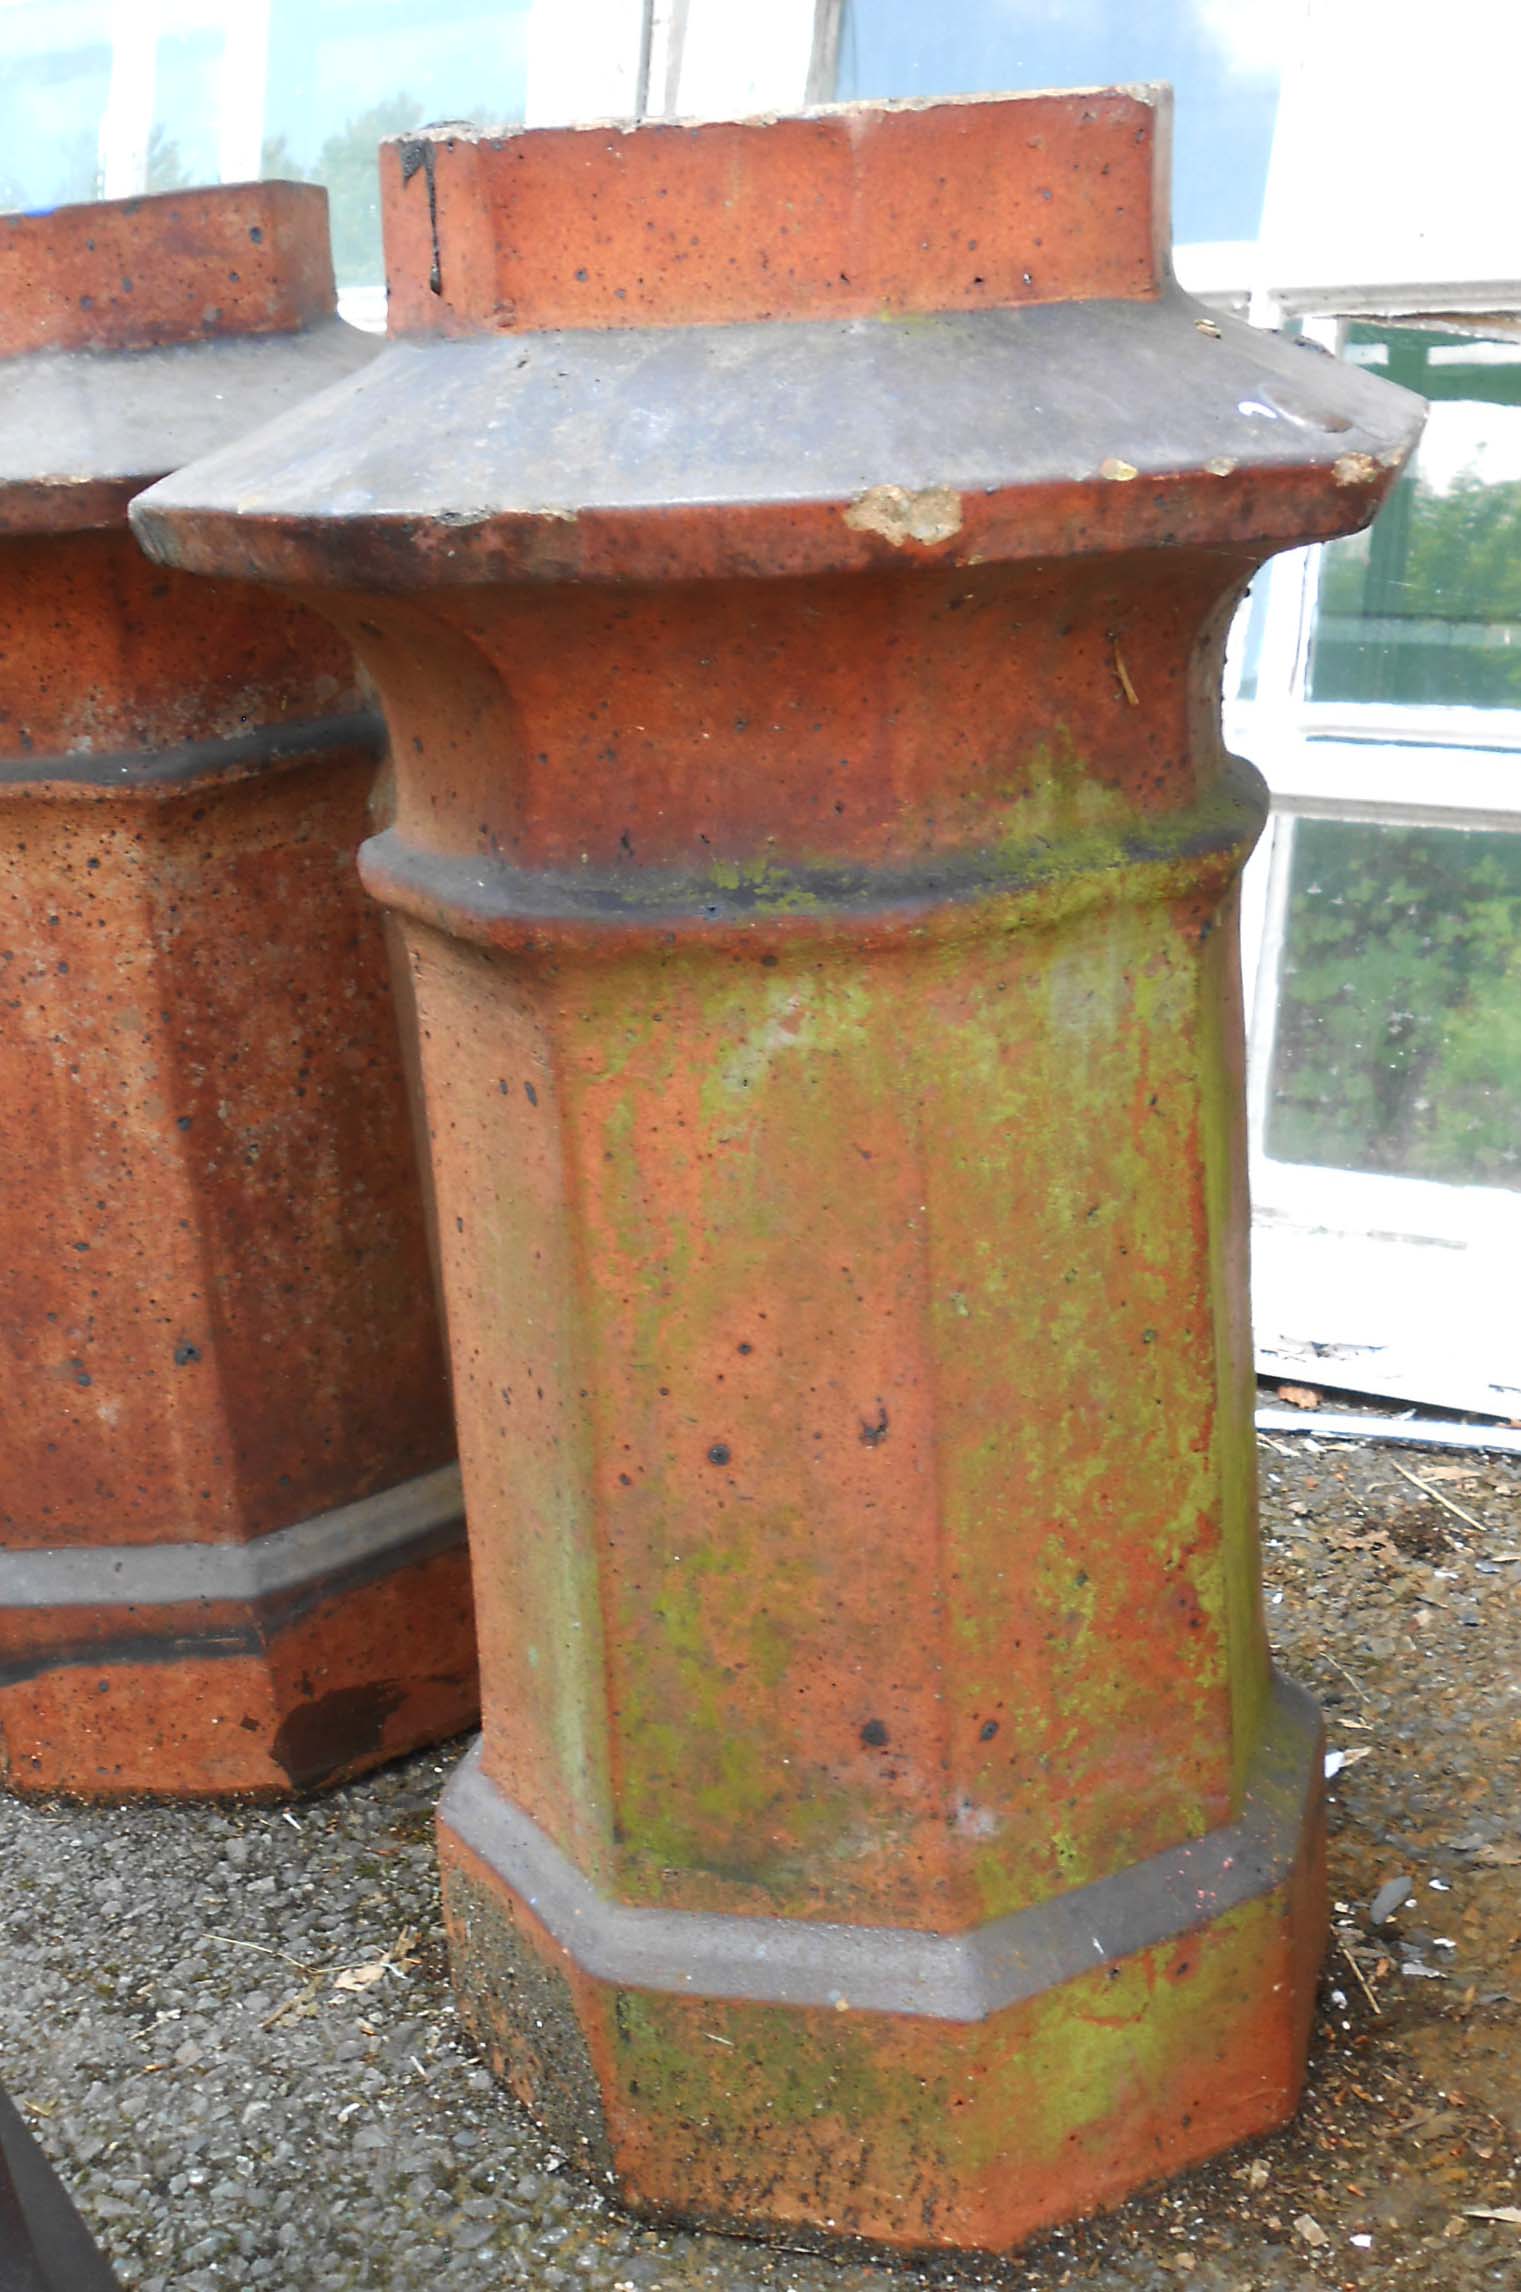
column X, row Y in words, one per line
column 348, row 165
column 1459, row 589
column 1399, row 1027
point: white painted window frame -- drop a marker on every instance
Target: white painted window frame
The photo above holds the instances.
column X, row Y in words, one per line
column 687, row 59
column 1402, row 766
column 126, row 128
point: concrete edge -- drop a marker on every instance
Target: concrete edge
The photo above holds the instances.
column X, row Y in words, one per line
column 391, row 1529
column 892, row 1970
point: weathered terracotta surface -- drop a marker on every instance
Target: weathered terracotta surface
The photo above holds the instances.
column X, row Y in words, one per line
column 816, row 859
column 202, row 265
column 215, row 1309
column 840, row 214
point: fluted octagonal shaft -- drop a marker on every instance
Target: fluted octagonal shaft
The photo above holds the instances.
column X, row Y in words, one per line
column 795, row 558
column 231, row 1544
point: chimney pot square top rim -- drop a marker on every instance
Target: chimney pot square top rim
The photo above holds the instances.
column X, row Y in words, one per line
column 839, row 211
column 164, row 269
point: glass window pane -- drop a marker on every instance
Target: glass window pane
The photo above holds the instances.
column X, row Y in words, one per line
column 1426, row 606
column 55, row 71
column 1222, row 56
column 1398, row 1046
column 343, row 73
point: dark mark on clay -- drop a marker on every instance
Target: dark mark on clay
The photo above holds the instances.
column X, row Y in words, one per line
column 324, row 1737
column 420, row 155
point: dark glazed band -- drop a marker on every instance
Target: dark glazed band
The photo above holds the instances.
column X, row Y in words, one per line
column 1186, row 854
column 268, row 748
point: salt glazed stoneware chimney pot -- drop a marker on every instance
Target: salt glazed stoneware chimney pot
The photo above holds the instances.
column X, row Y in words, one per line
column 795, row 558
column 231, row 1543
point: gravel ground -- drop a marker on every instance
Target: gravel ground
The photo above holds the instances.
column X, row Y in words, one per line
column 232, row 2030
